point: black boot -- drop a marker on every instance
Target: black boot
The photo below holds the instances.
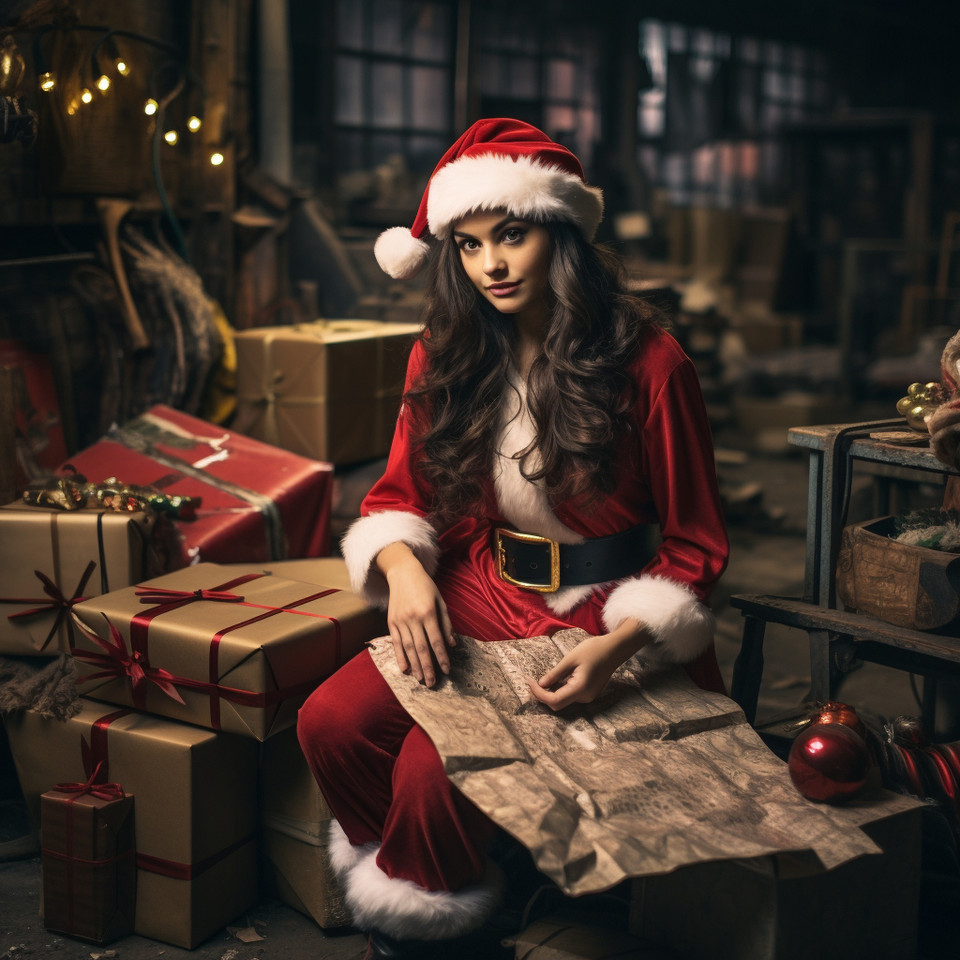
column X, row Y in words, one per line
column 382, row 947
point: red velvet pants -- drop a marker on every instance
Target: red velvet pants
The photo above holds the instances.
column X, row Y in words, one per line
column 380, row 773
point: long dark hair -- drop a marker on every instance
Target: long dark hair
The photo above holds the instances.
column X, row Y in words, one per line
column 579, row 392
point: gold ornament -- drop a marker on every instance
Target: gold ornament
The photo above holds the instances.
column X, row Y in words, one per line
column 920, row 402
column 12, row 67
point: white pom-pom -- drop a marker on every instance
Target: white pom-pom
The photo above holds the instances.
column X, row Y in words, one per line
column 400, row 253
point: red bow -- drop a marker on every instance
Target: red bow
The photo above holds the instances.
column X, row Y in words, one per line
column 57, row 601
column 165, row 595
column 103, row 791
column 119, row 662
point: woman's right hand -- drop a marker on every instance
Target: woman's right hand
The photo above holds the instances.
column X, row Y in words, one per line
column 416, row 615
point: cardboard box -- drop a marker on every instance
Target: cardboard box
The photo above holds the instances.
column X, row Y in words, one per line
column 196, row 808
column 327, row 571
column 240, row 657
column 258, row 502
column 45, row 565
column 296, row 830
column 89, row 863
column 786, row 907
column 329, row 389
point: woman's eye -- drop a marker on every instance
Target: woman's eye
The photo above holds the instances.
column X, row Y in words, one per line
column 513, row 235
column 469, row 245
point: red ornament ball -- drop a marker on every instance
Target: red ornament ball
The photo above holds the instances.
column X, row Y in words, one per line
column 829, row 762
column 833, row 711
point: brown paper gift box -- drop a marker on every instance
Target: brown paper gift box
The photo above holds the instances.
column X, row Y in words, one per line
column 61, row 545
column 329, row 390
column 196, row 808
column 243, row 663
column 89, row 863
column 296, row 830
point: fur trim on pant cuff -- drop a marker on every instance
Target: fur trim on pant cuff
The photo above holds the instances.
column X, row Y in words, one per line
column 681, row 625
column 369, row 535
column 344, row 856
column 403, row 909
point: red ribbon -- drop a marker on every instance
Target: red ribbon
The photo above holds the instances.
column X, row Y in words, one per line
column 57, row 600
column 103, row 791
column 164, row 595
column 118, row 661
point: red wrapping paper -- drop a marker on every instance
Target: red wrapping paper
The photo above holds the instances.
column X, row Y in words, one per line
column 258, row 503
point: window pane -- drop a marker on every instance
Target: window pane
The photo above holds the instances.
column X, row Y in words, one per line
column 559, row 121
column 652, row 114
column 350, row 23
column 523, row 78
column 431, row 98
column 491, row 77
column 387, row 26
column 423, row 152
column 350, row 152
column 432, row 35
column 384, row 146
column 387, row 85
column 561, row 75
column 349, row 90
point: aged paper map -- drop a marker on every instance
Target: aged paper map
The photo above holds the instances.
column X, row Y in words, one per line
column 655, row 774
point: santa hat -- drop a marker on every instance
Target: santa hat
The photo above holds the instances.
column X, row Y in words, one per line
column 497, row 164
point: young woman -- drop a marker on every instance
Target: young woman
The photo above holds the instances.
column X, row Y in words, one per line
column 542, row 401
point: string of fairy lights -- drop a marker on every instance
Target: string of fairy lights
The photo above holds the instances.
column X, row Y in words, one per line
column 107, row 67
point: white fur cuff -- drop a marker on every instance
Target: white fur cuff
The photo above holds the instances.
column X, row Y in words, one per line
column 403, row 909
column 344, row 856
column 681, row 625
column 369, row 535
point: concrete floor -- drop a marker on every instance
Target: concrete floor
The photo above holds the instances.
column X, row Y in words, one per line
column 767, row 534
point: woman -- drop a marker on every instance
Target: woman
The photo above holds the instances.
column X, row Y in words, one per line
column 542, row 400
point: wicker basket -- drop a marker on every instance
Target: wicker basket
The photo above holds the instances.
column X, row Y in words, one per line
column 898, row 583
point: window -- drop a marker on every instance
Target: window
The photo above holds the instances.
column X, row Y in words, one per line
column 394, row 83
column 708, row 124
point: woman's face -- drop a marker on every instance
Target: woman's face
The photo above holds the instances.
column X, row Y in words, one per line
column 507, row 259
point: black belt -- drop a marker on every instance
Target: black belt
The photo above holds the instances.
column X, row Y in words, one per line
column 538, row 563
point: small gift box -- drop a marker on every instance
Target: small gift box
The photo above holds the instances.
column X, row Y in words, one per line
column 257, row 502
column 89, row 860
column 51, row 559
column 196, row 808
column 233, row 652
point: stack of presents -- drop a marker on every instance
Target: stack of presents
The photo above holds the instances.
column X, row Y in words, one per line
column 197, row 627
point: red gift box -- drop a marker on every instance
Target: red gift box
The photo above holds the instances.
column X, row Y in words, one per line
column 258, row 502
column 89, row 860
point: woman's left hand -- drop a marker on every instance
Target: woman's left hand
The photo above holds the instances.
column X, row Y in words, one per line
column 583, row 673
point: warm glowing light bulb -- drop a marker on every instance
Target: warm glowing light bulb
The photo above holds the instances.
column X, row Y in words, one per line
column 103, row 83
column 193, row 124
column 72, row 108
column 171, row 137
column 151, row 107
column 216, row 159
column 86, row 96
column 123, row 68
column 47, row 82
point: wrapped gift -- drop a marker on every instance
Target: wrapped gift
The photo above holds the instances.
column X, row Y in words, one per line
column 196, row 808
column 327, row 571
column 256, row 502
column 51, row 559
column 89, row 860
column 329, row 389
column 208, row 646
column 296, row 831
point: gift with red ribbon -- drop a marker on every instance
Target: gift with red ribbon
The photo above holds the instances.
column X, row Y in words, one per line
column 228, row 651
column 196, row 809
column 51, row 560
column 89, row 857
column 257, row 502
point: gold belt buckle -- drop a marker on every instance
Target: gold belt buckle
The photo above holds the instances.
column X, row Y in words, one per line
column 501, row 558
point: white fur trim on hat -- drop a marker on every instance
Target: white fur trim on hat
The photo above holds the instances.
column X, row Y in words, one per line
column 403, row 909
column 369, row 535
column 682, row 626
column 522, row 186
column 400, row 253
